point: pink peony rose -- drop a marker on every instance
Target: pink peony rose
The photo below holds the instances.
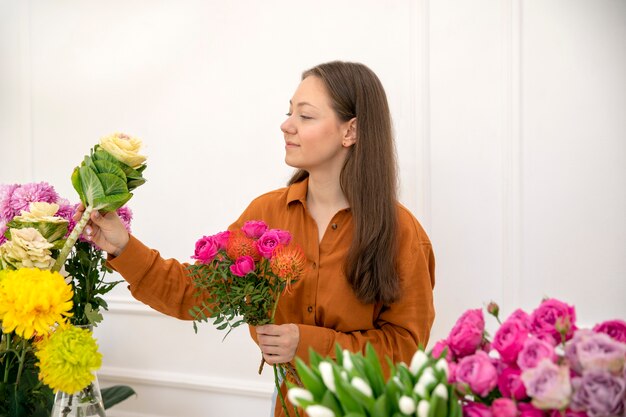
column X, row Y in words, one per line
column 614, row 328
column 242, row 266
column 222, row 240
column 550, row 314
column 478, row 372
column 568, row 413
column 471, row 409
column 533, row 352
column 520, row 315
column 511, row 385
column 267, row 243
column 548, row 385
column 467, row 334
column 589, row 350
column 206, row 249
column 600, row 394
column 438, row 349
column 509, row 340
column 284, row 237
column 254, row 229
column 503, row 407
column 529, row 410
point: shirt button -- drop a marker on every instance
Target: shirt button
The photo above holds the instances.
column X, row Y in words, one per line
column 309, row 309
column 334, row 226
column 314, row 265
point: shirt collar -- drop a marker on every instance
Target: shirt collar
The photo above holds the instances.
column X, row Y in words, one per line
column 297, row 192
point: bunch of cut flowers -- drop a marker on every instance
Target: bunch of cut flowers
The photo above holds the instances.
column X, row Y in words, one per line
column 51, row 281
column 537, row 365
column 240, row 276
column 354, row 386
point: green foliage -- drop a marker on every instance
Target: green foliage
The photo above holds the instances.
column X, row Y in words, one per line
column 116, row 394
column 230, row 301
column 356, row 385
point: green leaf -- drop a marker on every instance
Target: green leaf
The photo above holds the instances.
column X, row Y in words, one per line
column 111, row 203
column 91, row 185
column 109, row 167
column 116, row 394
column 311, row 380
column 329, row 400
column 92, row 315
column 112, row 184
column 76, row 183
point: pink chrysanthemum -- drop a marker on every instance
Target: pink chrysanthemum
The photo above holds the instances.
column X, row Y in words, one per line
column 33, row 192
column 3, row 228
column 126, row 215
column 6, row 211
column 66, row 211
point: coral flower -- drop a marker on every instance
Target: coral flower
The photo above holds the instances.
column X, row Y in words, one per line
column 32, row 301
column 288, row 264
column 240, row 245
column 68, row 359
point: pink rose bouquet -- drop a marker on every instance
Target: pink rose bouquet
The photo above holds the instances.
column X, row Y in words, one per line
column 538, row 364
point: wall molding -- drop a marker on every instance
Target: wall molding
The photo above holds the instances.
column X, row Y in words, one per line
column 180, row 381
column 512, row 219
column 127, row 305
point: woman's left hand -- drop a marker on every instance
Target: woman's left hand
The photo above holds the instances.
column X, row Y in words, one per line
column 278, row 342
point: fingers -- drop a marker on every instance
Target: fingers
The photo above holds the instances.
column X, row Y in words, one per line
column 278, row 342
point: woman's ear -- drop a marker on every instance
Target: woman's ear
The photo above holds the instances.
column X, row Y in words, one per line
column 349, row 137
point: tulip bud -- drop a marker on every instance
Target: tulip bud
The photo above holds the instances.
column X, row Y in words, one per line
column 442, row 365
column 406, row 404
column 441, row 391
column 362, row 386
column 422, row 408
column 319, row 411
column 418, row 360
column 326, row 369
column 347, row 361
column 295, row 394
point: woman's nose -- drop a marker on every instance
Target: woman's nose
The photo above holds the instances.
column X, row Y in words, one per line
column 287, row 126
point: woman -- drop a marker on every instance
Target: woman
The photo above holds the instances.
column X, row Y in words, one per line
column 371, row 265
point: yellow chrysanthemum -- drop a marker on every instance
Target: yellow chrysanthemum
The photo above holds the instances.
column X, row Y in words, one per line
column 68, row 359
column 32, row 301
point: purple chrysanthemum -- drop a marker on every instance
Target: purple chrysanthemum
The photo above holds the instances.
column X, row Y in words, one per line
column 126, row 215
column 3, row 228
column 66, row 211
column 32, row 192
column 6, row 211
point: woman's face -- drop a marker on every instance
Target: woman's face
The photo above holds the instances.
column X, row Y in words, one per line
column 315, row 139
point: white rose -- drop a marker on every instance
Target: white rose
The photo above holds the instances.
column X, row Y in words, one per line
column 124, row 148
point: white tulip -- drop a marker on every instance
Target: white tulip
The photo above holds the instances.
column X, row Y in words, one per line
column 420, row 389
column 326, row 369
column 442, row 365
column 347, row 361
column 362, row 386
column 441, row 391
column 295, row 394
column 422, row 408
column 407, row 405
column 319, row 411
column 428, row 377
column 419, row 359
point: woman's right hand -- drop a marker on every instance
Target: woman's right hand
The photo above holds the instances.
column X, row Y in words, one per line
column 108, row 231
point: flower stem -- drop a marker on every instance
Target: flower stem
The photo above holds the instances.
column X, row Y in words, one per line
column 7, row 364
column 280, row 393
column 20, row 366
column 71, row 240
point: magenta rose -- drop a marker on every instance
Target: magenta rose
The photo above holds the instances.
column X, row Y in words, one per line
column 438, row 349
column 520, row 315
column 529, row 410
column 284, row 237
column 242, row 266
column 206, row 249
column 589, row 350
column 551, row 314
column 568, row 413
column 471, row 409
column 467, row 333
column 509, row 340
column 600, row 394
column 478, row 372
column 548, row 385
column 254, row 229
column 533, row 352
column 222, row 240
column 267, row 243
column 510, row 383
column 503, row 407
column 614, row 328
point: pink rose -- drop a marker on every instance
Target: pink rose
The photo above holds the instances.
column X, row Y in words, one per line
column 533, row 352
column 509, row 340
column 438, row 349
column 206, row 249
column 529, row 410
column 222, row 240
column 503, row 407
column 267, row 243
column 568, row 413
column 254, row 228
column 511, row 385
column 548, row 385
column 476, row 410
column 284, row 237
column 614, row 328
column 589, row 350
column 520, row 315
column 478, row 372
column 242, row 266
column 467, row 334
column 550, row 314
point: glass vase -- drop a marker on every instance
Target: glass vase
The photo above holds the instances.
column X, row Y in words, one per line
column 84, row 403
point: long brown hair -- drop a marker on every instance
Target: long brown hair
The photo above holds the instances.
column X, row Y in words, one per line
column 368, row 178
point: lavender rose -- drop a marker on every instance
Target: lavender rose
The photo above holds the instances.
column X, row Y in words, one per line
column 534, row 351
column 467, row 333
column 206, row 249
column 599, row 393
column 588, row 350
column 242, row 266
column 504, row 407
column 548, row 385
column 509, row 340
column 614, row 328
column 254, row 229
column 478, row 372
column 551, row 314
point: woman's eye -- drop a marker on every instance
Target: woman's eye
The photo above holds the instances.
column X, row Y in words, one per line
column 302, row 116
column 288, row 114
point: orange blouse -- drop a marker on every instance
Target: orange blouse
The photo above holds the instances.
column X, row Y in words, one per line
column 321, row 303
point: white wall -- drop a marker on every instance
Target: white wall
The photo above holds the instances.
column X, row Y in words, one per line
column 511, row 136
